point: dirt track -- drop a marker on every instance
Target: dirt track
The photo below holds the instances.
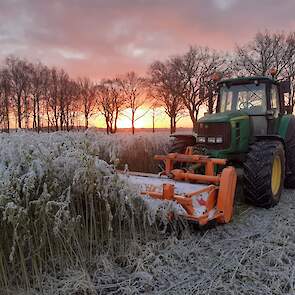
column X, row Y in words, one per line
column 255, row 254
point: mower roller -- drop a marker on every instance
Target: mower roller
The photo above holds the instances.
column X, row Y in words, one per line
column 203, row 197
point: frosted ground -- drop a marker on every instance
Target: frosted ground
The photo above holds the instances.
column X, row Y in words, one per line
column 70, row 225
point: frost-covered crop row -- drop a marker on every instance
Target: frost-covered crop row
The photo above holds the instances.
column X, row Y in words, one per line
column 62, row 205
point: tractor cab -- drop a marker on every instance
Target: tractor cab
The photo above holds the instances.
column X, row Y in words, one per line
column 249, row 96
column 259, row 98
column 253, row 95
column 247, row 110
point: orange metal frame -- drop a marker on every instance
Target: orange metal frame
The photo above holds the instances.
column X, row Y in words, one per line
column 220, row 192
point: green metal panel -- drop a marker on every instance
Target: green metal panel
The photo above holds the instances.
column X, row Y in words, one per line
column 284, row 123
column 221, row 117
column 240, row 132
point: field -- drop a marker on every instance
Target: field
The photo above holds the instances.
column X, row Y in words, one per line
column 70, row 225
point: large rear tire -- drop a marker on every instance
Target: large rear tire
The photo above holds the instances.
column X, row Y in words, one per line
column 290, row 155
column 264, row 173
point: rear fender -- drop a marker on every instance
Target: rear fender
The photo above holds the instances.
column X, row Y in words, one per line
column 272, row 137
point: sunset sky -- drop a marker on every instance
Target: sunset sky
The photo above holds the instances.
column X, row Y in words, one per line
column 104, row 38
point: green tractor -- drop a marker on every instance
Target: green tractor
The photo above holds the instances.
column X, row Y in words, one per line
column 252, row 130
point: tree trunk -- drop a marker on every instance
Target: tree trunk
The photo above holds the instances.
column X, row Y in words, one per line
column 111, row 127
column 107, row 124
column 171, row 125
column 61, row 122
column 86, row 121
column 56, row 120
column 38, row 114
column 47, row 113
column 133, row 122
column 116, row 120
column 26, row 112
column 194, row 118
column 174, row 124
column 48, row 121
column 34, row 113
column 19, row 112
column 67, row 117
column 7, row 114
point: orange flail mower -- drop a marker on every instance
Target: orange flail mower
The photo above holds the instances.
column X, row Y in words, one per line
column 212, row 201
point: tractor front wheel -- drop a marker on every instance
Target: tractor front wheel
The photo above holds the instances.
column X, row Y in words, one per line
column 180, row 143
column 264, row 172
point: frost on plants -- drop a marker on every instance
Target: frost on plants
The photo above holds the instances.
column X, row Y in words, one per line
column 70, row 225
column 61, row 204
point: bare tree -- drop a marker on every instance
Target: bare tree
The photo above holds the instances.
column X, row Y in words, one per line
column 156, row 113
column 70, row 94
column 39, row 84
column 53, row 99
column 110, row 102
column 134, row 91
column 5, row 93
column 20, row 83
column 87, row 91
column 63, row 102
column 169, row 89
column 155, row 105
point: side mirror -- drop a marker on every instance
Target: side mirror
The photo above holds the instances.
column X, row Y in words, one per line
column 285, row 87
column 289, row 109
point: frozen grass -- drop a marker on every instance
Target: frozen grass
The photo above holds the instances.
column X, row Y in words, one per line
column 255, row 254
column 61, row 206
column 113, row 249
column 137, row 151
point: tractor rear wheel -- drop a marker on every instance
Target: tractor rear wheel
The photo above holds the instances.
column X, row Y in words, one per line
column 290, row 155
column 264, row 172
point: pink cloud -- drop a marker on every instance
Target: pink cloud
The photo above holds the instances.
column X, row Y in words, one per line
column 105, row 38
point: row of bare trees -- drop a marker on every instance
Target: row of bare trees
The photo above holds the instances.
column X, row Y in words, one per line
column 35, row 96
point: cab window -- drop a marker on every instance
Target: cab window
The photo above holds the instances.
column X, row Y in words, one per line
column 250, row 98
column 274, row 100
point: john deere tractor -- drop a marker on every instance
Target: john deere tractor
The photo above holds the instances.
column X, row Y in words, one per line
column 253, row 131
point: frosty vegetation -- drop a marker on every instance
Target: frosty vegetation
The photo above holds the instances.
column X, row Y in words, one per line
column 70, row 225
column 62, row 205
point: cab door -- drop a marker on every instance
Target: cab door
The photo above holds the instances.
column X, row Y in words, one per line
column 274, row 115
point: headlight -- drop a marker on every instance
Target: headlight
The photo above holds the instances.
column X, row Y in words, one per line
column 219, row 140
column 211, row 139
column 201, row 139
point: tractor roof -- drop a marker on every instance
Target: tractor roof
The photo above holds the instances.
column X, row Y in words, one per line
column 243, row 80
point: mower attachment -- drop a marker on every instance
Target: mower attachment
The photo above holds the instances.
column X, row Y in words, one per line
column 212, row 202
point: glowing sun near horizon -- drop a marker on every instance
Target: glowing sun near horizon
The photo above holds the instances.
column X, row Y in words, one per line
column 126, row 123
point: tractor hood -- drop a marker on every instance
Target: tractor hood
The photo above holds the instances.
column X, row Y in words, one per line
column 222, row 117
